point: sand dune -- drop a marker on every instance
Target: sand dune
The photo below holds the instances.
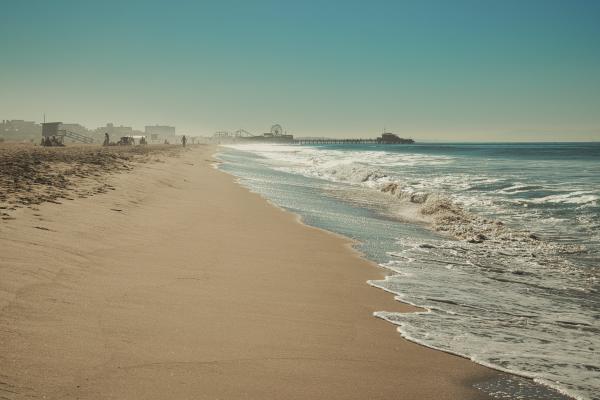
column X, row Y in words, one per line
column 34, row 175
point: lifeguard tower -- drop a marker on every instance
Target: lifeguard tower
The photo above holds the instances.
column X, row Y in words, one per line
column 52, row 129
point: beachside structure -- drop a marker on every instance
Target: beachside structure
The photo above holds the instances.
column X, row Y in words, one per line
column 160, row 133
column 19, row 130
column 386, row 138
column 275, row 135
column 116, row 131
column 50, row 129
column 77, row 128
column 56, row 130
column 391, row 138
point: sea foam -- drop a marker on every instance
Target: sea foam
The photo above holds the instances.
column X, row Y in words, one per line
column 511, row 281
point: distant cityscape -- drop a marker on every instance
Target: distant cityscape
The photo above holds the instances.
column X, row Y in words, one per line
column 31, row 131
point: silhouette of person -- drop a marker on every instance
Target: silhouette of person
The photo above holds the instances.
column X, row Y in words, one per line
column 106, row 139
column 183, row 140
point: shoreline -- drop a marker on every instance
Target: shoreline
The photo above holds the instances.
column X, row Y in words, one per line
column 511, row 381
column 150, row 300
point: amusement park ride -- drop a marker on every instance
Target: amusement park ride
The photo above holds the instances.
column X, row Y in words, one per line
column 274, row 135
column 277, row 135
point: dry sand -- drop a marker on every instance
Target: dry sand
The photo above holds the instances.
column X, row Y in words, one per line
column 180, row 284
column 34, row 174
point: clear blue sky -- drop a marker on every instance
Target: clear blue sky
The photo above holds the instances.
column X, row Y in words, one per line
column 475, row 70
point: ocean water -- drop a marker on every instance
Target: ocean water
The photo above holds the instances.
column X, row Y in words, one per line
column 498, row 243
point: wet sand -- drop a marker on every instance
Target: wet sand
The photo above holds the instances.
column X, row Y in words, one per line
column 181, row 284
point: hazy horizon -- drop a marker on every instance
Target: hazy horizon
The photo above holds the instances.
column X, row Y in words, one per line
column 433, row 71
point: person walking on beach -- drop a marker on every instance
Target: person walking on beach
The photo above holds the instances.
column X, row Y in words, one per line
column 183, row 140
column 106, row 139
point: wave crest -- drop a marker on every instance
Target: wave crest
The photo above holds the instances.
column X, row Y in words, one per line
column 352, row 173
column 447, row 216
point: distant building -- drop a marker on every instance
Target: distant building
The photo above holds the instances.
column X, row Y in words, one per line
column 159, row 133
column 390, row 138
column 20, row 130
column 116, row 131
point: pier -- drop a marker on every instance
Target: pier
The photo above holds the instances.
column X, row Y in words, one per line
column 386, row 138
column 347, row 141
column 335, row 141
column 277, row 135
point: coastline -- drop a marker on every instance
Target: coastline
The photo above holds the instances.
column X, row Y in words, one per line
column 180, row 283
column 486, row 290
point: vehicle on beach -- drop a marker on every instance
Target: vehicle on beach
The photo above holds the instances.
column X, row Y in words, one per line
column 126, row 141
column 130, row 140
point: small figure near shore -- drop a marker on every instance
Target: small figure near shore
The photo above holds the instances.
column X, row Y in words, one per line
column 143, row 141
column 106, row 139
column 183, row 140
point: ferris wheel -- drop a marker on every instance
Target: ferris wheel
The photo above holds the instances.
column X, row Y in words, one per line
column 276, row 130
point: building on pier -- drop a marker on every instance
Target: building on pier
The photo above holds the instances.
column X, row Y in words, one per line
column 390, row 138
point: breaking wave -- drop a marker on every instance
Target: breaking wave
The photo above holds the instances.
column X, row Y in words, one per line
column 509, row 277
column 442, row 212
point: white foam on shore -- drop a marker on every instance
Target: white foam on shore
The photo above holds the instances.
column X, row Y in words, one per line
column 509, row 392
column 495, row 286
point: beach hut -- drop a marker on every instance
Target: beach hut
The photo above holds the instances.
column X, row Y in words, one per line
column 50, row 129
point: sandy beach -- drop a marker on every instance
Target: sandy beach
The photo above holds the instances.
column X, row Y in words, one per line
column 177, row 283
